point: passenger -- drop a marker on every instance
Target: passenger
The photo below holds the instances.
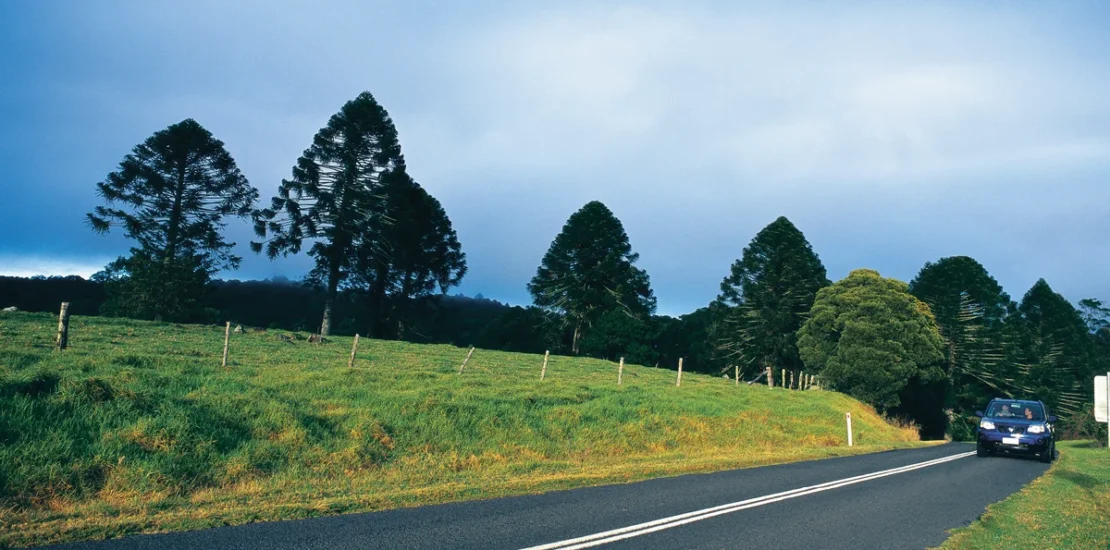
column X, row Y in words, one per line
column 1029, row 413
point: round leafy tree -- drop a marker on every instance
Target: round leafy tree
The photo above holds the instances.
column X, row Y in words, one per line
column 868, row 336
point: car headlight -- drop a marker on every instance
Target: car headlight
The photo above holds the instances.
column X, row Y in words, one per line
column 986, row 424
column 1036, row 429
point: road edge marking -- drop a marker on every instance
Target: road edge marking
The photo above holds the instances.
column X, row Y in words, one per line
column 645, row 528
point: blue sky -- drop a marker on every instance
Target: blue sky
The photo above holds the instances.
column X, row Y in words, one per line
column 890, row 133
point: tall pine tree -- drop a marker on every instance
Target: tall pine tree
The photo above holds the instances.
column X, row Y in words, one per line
column 171, row 195
column 588, row 271
column 970, row 309
column 766, row 298
column 335, row 195
column 1058, row 356
column 414, row 253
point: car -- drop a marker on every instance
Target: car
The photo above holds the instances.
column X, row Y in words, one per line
column 1016, row 426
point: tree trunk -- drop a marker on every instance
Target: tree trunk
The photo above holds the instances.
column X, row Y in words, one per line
column 379, row 317
column 174, row 225
column 329, row 300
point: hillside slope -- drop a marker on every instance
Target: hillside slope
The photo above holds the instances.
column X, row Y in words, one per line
column 137, row 427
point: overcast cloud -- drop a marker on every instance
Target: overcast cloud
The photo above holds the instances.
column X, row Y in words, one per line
column 890, row 134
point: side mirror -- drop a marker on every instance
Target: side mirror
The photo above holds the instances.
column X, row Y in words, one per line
column 979, row 414
column 1051, row 419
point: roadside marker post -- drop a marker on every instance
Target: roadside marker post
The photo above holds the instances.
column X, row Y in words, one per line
column 847, row 417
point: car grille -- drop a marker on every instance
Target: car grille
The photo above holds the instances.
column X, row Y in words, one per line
column 1011, row 429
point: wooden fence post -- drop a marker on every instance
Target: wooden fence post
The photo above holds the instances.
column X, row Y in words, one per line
column 468, row 354
column 782, row 382
column 63, row 328
column 543, row 370
column 790, row 386
column 678, row 381
column 354, row 348
column 770, row 378
column 737, row 369
column 227, row 339
column 620, row 372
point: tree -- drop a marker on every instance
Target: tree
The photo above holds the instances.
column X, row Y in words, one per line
column 588, row 271
column 143, row 286
column 615, row 334
column 171, row 195
column 766, row 297
column 970, row 309
column 1095, row 314
column 867, row 336
column 1058, row 357
column 334, row 196
column 414, row 252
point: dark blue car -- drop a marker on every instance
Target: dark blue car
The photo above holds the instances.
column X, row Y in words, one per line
column 1016, row 426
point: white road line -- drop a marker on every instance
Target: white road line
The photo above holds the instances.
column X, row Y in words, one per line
column 639, row 529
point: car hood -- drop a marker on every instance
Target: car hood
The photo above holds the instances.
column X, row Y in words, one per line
column 1014, row 421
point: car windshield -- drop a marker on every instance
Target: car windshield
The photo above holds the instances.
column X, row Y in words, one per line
column 1016, row 410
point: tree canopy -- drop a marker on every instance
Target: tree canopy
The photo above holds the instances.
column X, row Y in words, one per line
column 970, row 309
column 767, row 296
column 413, row 252
column 588, row 271
column 1057, row 352
column 171, row 195
column 334, row 195
column 868, row 337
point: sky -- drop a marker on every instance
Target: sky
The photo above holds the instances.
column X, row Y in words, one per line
column 890, row 133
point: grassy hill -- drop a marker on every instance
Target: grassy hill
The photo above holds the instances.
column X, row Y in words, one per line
column 138, row 428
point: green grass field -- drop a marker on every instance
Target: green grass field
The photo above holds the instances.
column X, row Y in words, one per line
column 137, row 428
column 1069, row 507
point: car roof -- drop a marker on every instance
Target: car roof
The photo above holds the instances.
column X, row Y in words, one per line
column 1017, row 400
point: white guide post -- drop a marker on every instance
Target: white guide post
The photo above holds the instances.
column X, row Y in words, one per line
column 848, row 418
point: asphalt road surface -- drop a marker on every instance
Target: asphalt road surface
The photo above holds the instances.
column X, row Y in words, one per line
column 897, row 499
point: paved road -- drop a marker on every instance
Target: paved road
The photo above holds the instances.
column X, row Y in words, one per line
column 897, row 499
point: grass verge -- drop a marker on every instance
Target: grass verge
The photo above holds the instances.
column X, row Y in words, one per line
column 1068, row 507
column 137, row 428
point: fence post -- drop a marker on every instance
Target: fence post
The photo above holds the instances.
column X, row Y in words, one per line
column 227, row 339
column 543, row 370
column 620, row 372
column 848, row 418
column 790, row 386
column 783, row 381
column 63, row 328
column 678, row 382
column 770, row 378
column 737, row 369
column 468, row 354
column 354, row 348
